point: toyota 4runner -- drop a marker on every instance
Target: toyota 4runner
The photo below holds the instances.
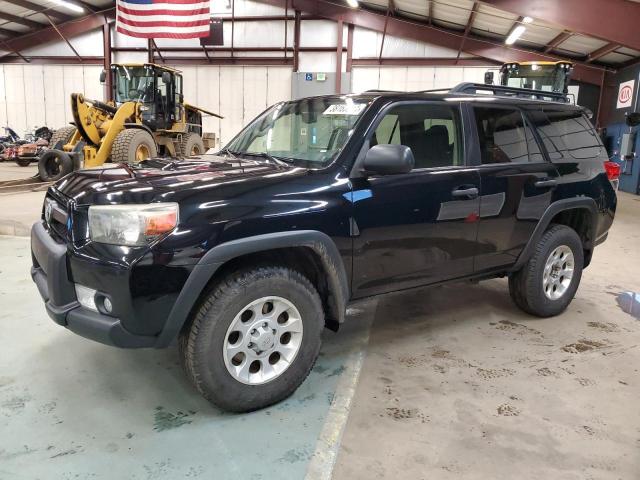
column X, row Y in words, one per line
column 244, row 256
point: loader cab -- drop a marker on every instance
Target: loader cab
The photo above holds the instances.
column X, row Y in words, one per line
column 546, row 76
column 158, row 88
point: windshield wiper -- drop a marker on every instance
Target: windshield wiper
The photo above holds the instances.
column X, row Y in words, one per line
column 268, row 156
column 229, row 153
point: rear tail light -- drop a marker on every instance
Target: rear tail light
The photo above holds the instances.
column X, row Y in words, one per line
column 613, row 170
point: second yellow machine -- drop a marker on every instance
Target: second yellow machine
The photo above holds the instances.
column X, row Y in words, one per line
column 147, row 118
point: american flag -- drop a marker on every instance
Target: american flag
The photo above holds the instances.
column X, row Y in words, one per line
column 163, row 18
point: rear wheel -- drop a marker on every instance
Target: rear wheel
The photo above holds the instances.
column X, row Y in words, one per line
column 133, row 145
column 254, row 339
column 547, row 283
column 62, row 135
column 191, row 145
column 23, row 162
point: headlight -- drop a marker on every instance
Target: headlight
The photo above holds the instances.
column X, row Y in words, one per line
column 131, row 224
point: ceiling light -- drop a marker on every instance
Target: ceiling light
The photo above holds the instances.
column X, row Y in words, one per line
column 515, row 35
column 353, row 3
column 69, row 5
column 527, row 20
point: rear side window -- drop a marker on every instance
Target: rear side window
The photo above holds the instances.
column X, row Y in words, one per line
column 570, row 132
column 502, row 134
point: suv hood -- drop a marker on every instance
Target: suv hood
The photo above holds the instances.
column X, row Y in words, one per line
column 143, row 182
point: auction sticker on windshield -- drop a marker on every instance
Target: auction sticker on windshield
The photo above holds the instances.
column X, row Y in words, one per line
column 345, row 109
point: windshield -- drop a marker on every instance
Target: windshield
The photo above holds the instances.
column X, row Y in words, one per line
column 548, row 78
column 134, row 84
column 309, row 132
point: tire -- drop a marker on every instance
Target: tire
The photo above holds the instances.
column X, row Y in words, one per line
column 53, row 165
column 23, row 162
column 203, row 342
column 63, row 135
column 527, row 286
column 132, row 146
column 191, row 145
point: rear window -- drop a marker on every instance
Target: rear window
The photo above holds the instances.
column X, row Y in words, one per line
column 502, row 135
column 567, row 134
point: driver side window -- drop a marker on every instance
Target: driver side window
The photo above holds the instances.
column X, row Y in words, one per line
column 431, row 131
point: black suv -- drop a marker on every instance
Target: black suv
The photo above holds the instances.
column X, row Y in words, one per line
column 244, row 256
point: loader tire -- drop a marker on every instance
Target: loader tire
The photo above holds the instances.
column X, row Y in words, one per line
column 53, row 165
column 133, row 146
column 63, row 135
column 191, row 145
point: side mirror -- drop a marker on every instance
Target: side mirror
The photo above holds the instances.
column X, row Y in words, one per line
column 488, row 78
column 166, row 77
column 103, row 76
column 389, row 159
column 633, row 119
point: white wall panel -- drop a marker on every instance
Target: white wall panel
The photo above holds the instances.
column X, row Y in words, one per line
column 73, row 82
column 15, row 98
column 254, row 92
column 413, row 78
column 318, row 33
column 420, row 78
column 56, row 103
column 365, row 78
column 278, row 84
column 88, row 44
column 317, row 61
column 92, row 87
column 208, row 96
column 34, row 96
column 393, row 78
column 448, row 77
column 231, row 101
column 3, row 102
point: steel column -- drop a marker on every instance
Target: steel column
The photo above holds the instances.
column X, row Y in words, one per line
column 339, row 58
column 106, row 48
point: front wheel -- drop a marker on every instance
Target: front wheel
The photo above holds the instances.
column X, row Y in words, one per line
column 547, row 283
column 254, row 339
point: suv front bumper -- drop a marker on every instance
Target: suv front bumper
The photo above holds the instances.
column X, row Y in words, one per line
column 51, row 276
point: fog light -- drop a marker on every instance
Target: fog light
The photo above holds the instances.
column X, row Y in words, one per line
column 86, row 297
column 106, row 303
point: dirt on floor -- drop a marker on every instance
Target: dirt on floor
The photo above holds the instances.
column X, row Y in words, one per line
column 460, row 384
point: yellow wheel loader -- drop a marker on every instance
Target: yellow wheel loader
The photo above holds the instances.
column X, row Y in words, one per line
column 540, row 77
column 147, row 118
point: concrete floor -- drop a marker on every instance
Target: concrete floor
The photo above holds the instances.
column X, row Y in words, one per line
column 459, row 384
column 455, row 383
column 18, row 211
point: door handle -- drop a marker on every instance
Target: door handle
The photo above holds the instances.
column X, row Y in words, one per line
column 465, row 192
column 546, row 183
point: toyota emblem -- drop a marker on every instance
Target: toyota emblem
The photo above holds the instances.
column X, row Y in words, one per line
column 48, row 208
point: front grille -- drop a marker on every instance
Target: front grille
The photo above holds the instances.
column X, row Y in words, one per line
column 56, row 217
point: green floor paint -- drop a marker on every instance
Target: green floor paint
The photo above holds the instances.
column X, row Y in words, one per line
column 74, row 409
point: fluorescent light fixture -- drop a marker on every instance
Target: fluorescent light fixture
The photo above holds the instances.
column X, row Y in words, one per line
column 69, row 5
column 515, row 35
column 527, row 20
column 353, row 3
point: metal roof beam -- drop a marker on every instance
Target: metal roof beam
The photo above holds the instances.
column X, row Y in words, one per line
column 601, row 52
column 613, row 20
column 423, row 32
column 20, row 20
column 39, row 9
column 69, row 29
column 8, row 33
column 468, row 27
column 557, row 40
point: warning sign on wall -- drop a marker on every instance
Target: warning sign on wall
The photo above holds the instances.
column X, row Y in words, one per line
column 625, row 94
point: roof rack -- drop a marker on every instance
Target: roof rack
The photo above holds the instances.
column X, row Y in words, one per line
column 502, row 91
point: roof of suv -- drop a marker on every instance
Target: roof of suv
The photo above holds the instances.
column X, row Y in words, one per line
column 451, row 95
